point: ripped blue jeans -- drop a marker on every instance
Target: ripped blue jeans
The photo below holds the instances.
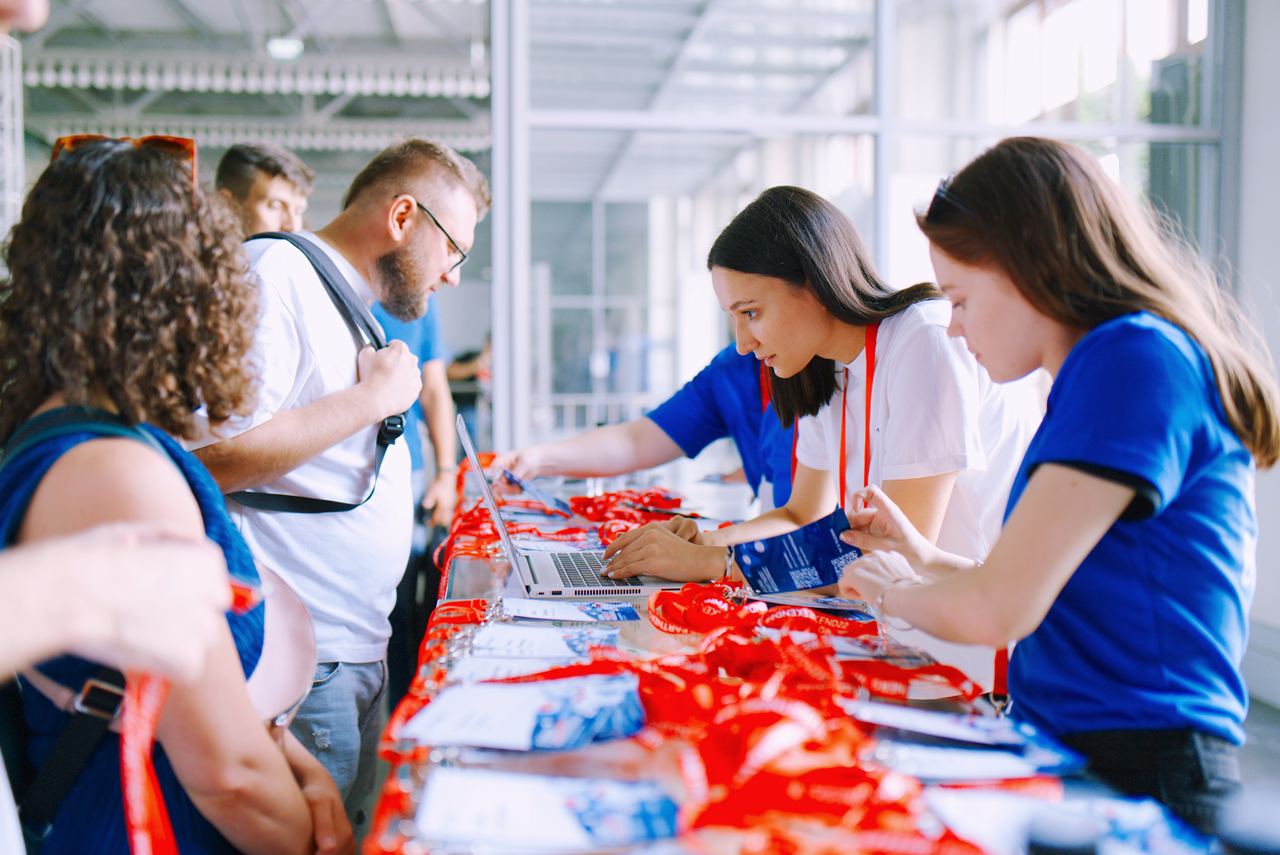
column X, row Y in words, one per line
column 340, row 722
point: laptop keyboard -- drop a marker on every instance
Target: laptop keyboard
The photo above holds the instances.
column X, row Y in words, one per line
column 582, row 570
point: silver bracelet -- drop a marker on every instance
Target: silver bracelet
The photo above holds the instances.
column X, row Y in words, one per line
column 878, row 606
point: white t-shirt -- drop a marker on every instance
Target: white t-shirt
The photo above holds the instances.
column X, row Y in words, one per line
column 344, row 566
column 934, row 410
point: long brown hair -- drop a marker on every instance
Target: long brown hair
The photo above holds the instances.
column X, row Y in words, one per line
column 1081, row 252
column 126, row 286
column 794, row 235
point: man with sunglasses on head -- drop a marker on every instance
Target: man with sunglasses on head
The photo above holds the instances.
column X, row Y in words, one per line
column 406, row 224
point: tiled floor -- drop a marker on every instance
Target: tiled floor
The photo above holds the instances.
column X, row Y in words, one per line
column 1260, row 757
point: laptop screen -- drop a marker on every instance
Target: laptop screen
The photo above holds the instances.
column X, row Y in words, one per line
column 486, row 492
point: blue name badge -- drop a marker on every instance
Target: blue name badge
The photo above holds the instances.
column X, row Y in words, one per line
column 809, row 557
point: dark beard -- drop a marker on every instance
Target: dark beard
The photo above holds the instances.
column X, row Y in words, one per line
column 398, row 276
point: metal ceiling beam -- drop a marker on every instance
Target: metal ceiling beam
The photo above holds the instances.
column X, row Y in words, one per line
column 388, row 21
column 222, row 131
column 612, row 17
column 251, row 26
column 332, row 108
column 465, row 107
column 95, row 104
column 812, row 18
column 219, row 72
column 577, row 37
column 199, row 24
column 796, row 106
column 781, row 124
column 677, row 65
column 136, row 107
column 63, row 16
column 440, row 22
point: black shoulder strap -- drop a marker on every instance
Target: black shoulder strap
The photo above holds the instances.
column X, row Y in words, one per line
column 365, row 330
column 93, row 709
column 364, row 327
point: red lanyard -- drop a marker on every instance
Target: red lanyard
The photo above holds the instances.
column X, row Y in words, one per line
column 870, row 350
column 149, row 829
column 766, row 391
column 766, row 396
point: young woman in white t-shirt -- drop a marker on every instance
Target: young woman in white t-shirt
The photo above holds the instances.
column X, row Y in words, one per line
column 793, row 274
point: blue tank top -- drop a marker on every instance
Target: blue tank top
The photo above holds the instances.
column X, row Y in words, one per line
column 91, row 818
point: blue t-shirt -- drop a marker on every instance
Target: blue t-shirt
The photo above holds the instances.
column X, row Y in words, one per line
column 423, row 338
column 1149, row 631
column 724, row 400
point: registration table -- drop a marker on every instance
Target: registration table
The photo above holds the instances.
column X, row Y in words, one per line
column 702, row 721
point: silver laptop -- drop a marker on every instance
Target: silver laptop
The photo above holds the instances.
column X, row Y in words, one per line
column 558, row 571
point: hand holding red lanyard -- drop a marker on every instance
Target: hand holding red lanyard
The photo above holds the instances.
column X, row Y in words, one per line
column 146, row 817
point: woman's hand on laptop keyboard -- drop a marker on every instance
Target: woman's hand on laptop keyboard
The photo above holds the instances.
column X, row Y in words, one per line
column 668, row 550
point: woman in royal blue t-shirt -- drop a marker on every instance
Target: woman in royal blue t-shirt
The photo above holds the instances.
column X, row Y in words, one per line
column 1126, row 564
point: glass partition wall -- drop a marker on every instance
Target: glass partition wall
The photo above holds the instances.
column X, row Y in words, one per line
column 629, row 132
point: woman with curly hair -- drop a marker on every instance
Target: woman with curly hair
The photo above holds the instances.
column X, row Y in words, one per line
column 127, row 301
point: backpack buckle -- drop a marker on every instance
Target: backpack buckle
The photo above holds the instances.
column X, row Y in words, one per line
column 392, row 429
column 98, row 699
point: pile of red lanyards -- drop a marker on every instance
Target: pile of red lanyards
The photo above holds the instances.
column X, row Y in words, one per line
column 765, row 747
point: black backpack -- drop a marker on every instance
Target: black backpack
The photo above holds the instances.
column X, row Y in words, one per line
column 365, row 330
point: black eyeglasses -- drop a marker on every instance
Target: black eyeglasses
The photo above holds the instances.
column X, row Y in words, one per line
column 447, row 237
column 943, row 196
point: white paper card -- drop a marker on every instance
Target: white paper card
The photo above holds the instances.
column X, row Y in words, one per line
column 547, row 642
column 935, row 763
column 473, row 669
column 534, row 813
column 962, row 728
column 543, row 715
column 582, row 612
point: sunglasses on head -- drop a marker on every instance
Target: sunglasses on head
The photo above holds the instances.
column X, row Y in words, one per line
column 943, row 197
column 181, row 147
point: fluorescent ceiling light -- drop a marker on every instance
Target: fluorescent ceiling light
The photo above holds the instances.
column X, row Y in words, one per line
column 284, row 48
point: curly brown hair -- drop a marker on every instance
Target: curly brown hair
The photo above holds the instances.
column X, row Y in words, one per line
column 126, row 285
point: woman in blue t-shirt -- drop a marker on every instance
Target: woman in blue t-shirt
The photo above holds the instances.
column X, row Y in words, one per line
column 1126, row 564
column 727, row 398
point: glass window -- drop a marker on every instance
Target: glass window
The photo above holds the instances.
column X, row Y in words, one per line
column 625, row 208
column 1096, row 61
column 1178, row 179
column 749, row 56
column 622, row 310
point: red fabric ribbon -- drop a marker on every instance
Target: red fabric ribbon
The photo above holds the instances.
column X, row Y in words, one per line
column 611, row 530
column 766, row 744
column 147, row 823
column 626, row 505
